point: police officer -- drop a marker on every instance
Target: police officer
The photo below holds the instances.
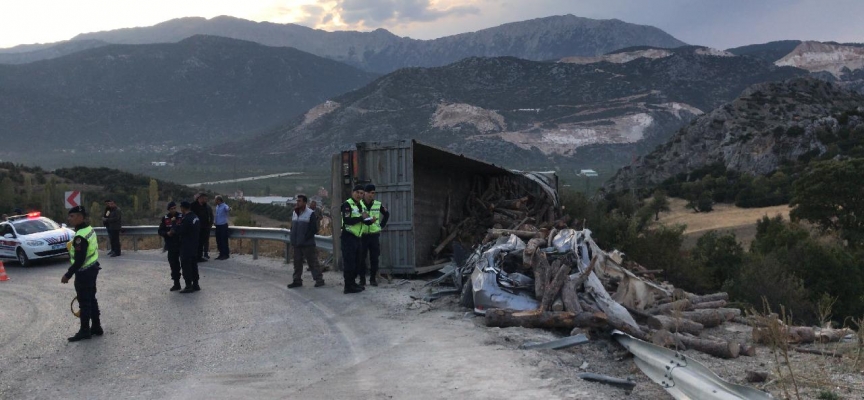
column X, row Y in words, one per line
column 354, row 218
column 370, row 241
column 172, row 242
column 189, row 231
column 84, row 254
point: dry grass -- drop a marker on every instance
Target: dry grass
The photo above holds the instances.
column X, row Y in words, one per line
column 724, row 218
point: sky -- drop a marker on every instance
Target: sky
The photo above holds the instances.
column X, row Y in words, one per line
column 715, row 23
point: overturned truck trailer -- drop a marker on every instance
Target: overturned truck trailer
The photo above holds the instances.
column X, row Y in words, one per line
column 425, row 189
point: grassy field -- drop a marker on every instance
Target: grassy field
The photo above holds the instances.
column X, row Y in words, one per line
column 724, row 218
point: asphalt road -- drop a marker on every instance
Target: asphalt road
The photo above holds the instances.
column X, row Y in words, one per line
column 243, row 336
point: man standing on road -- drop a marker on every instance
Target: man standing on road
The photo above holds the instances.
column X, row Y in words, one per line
column 221, row 222
column 205, row 215
column 354, row 218
column 113, row 223
column 172, row 242
column 370, row 241
column 84, row 254
column 189, row 231
column 304, row 227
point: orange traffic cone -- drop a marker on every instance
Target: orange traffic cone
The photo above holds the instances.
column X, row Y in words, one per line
column 3, row 276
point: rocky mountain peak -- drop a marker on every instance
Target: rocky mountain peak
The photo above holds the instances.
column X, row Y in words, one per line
column 833, row 58
column 768, row 124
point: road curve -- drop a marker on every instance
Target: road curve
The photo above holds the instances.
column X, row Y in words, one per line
column 243, row 336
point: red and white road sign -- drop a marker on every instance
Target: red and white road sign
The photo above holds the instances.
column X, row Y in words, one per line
column 73, row 199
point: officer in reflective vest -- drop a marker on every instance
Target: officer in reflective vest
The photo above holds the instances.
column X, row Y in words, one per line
column 370, row 241
column 354, row 218
column 84, row 254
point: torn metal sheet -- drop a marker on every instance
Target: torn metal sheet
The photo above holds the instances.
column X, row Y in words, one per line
column 683, row 377
column 609, row 380
column 488, row 292
column 557, row 344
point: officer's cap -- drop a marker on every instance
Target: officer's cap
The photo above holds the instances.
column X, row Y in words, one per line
column 78, row 210
column 369, row 188
column 359, row 187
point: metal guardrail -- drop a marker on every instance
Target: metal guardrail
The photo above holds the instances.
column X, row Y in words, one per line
column 235, row 232
column 683, row 377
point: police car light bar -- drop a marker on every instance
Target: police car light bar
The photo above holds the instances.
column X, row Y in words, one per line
column 36, row 214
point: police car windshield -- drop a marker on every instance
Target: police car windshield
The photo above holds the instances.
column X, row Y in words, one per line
column 31, row 226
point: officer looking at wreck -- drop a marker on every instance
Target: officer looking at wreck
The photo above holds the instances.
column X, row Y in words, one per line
column 84, row 255
column 354, row 218
column 370, row 241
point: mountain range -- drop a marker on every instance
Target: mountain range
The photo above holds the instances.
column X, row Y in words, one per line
column 768, row 125
column 549, row 38
column 199, row 91
column 521, row 113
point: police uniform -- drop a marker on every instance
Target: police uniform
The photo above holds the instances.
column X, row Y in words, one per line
column 352, row 230
column 172, row 243
column 189, row 231
column 84, row 255
column 370, row 240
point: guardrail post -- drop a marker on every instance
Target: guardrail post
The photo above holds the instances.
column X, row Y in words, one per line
column 135, row 243
column 254, row 249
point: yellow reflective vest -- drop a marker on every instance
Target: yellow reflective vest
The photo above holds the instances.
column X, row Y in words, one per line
column 92, row 247
column 356, row 212
column 374, row 211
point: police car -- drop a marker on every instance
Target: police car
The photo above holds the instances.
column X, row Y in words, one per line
column 31, row 237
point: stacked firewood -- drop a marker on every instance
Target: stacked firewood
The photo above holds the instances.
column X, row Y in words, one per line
column 602, row 294
column 509, row 203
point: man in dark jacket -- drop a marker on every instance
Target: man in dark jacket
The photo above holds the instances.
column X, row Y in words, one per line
column 205, row 215
column 304, row 227
column 172, row 242
column 188, row 230
column 112, row 221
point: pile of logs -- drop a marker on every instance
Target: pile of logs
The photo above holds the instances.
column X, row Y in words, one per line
column 504, row 203
column 576, row 297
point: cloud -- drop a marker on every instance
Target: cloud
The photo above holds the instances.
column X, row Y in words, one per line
column 393, row 12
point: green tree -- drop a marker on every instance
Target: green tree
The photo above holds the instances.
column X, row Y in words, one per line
column 721, row 257
column 50, row 190
column 830, row 195
column 154, row 195
column 136, row 205
column 659, row 203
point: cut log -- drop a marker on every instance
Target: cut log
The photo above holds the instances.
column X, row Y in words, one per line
column 540, row 265
column 570, row 298
column 501, row 318
column 520, row 234
column 551, row 292
column 502, row 219
column 832, row 335
column 709, row 304
column 449, row 239
column 675, row 324
column 792, row 334
column 677, row 305
column 716, row 348
column 514, row 204
column 696, row 299
column 712, row 317
column 528, row 254
column 593, row 320
column 748, row 350
column 516, row 215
